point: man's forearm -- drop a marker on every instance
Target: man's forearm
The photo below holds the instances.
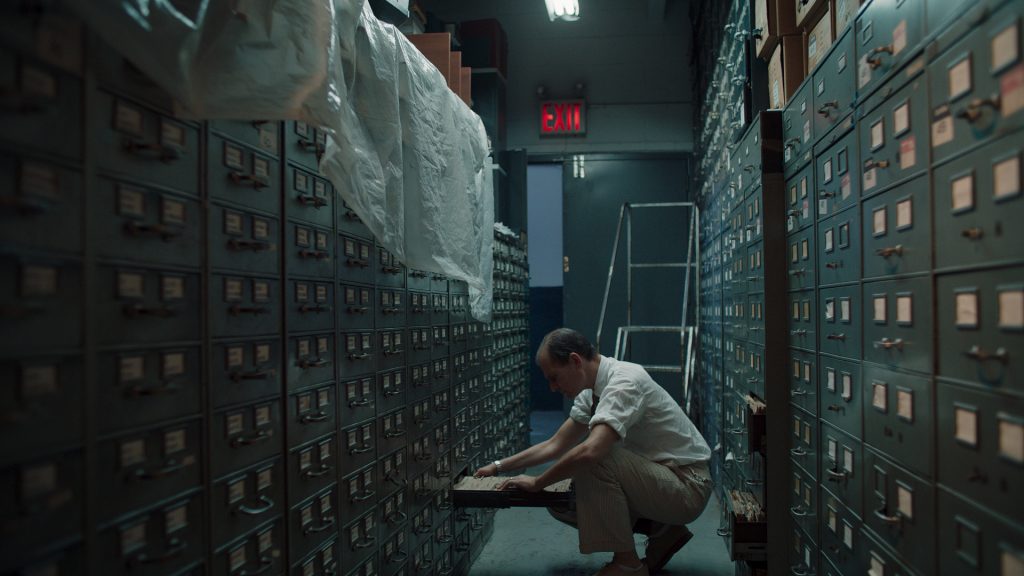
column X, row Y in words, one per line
column 572, row 462
column 532, row 456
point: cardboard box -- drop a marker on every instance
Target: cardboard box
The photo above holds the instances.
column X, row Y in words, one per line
column 843, row 11
column 467, row 85
column 455, row 65
column 436, row 47
column 786, row 70
column 819, row 40
column 772, row 19
column 807, row 11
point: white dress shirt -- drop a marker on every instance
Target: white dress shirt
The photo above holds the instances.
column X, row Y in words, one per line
column 647, row 419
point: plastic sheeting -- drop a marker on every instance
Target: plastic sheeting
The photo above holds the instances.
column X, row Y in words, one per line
column 403, row 150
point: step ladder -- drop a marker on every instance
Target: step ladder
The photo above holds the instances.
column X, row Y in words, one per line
column 691, row 274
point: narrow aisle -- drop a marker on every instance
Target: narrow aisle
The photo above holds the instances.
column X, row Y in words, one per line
column 528, row 541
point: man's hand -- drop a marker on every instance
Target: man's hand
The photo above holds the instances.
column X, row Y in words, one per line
column 484, row 472
column 521, row 482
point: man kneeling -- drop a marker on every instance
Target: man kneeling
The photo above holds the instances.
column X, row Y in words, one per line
column 642, row 457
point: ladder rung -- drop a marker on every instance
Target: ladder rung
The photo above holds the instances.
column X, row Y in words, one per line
column 661, row 204
column 664, row 265
column 675, row 329
column 662, row 368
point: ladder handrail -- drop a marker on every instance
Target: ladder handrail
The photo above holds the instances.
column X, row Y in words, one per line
column 611, row 270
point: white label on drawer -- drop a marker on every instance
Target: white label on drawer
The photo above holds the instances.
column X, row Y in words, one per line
column 832, row 519
column 879, row 396
column 847, row 459
column 36, row 82
column 905, row 501
column 848, row 535
column 905, row 309
column 833, row 450
column 264, row 479
column 260, row 291
column 301, row 292
column 234, row 424
column 133, row 538
column 131, row 201
column 306, row 515
column 870, row 178
column 1012, row 563
column 232, row 223
column 878, row 134
column 830, row 379
column 879, row 221
column 844, row 186
column 260, row 229
column 901, row 119
column 172, row 288
column 262, row 415
column 301, row 181
column 236, row 491
column 962, row 191
column 266, row 540
column 1006, row 178
column 807, row 434
column 301, row 236
column 320, row 188
column 877, row 567
column 37, row 481
column 305, row 402
column 127, row 119
column 905, row 404
column 260, row 167
column 364, row 252
column 829, row 239
column 321, row 293
column 38, row 380
column 904, row 213
column 908, row 152
column 827, row 171
column 844, row 309
column 1011, row 88
column 807, row 130
column 847, row 391
column 172, row 134
column 232, row 156
column 1011, row 309
column 130, row 368
column 133, row 452
column 174, row 442
column 966, row 426
column 236, row 558
column 863, row 72
column 172, row 212
column 367, row 342
column 129, row 285
column 262, row 353
column 321, row 344
column 175, row 519
column 303, row 348
column 1004, row 47
column 232, row 290
column 899, row 37
column 268, row 138
column 942, row 130
column 325, row 503
column 967, row 310
column 1011, row 440
column 321, row 240
column 841, row 63
column 880, row 302
column 38, row 280
column 960, row 78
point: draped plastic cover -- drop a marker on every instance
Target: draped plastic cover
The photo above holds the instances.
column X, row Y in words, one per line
column 409, row 157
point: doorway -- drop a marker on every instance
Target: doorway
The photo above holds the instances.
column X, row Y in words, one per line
column 544, row 222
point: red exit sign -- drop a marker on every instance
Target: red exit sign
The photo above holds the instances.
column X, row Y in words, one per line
column 563, row 118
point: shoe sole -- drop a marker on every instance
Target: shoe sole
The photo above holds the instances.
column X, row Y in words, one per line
column 676, row 547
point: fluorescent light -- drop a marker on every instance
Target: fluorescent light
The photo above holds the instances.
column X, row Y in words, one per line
column 568, row 10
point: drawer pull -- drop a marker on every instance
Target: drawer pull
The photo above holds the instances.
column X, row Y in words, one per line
column 165, row 233
column 398, row 557
column 424, row 457
column 887, row 344
column 358, row 309
column 836, row 408
column 872, row 163
column 237, row 310
column 360, row 450
column 972, row 233
column 314, row 254
column 260, row 375
column 310, row 200
column 800, row 332
column 172, row 468
column 424, row 566
column 444, row 539
column 874, row 56
column 800, row 452
column 315, row 309
column 752, row 483
column 249, row 440
column 136, row 310
column 356, row 262
column 355, row 356
column 881, row 515
column 397, row 518
column 152, row 151
column 252, row 180
column 361, row 402
column 834, row 265
column 795, row 213
column 364, row 496
column 799, row 571
column 792, row 142
column 423, row 528
column 251, row 245
column 326, row 523
column 266, row 505
column 979, row 354
column 351, row 216
column 394, row 433
column 798, row 392
column 834, row 476
column 310, row 418
column 890, row 250
column 972, row 112
column 797, row 511
column 827, row 106
column 165, row 387
column 393, row 392
column 177, row 547
column 394, row 352
column 840, row 336
column 311, row 146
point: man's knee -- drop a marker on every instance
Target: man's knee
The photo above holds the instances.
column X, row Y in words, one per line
column 564, row 515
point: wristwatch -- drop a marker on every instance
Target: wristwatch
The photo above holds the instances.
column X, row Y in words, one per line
column 497, row 465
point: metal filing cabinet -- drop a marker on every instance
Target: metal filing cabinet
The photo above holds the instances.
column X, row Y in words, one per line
column 897, row 230
column 900, row 509
column 832, row 86
column 893, row 128
column 888, row 33
column 897, row 323
column 839, row 310
column 974, row 541
column 843, row 468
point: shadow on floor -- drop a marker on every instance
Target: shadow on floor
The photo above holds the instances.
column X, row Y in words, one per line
column 528, row 541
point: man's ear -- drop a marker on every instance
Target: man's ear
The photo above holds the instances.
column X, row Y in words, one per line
column 577, row 360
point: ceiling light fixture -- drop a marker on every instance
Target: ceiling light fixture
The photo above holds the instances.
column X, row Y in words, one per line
column 568, row 10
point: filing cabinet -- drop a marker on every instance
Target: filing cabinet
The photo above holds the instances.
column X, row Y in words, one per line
column 45, row 113
column 356, row 305
column 261, row 549
column 832, row 84
column 803, row 499
column 244, row 241
column 393, row 430
column 841, row 391
column 304, row 144
column 243, row 435
column 309, row 197
column 243, row 176
column 356, row 260
column 43, row 502
column 804, row 441
column 391, row 308
column 359, row 492
column 162, row 539
column 980, row 316
column 839, row 310
column 898, row 324
column 974, row 541
column 324, row 561
column 439, row 302
column 358, row 446
column 888, row 33
column 899, row 418
column 843, row 471
column 311, row 251
column 40, row 292
column 803, row 552
column 802, row 259
column 310, row 360
column 393, row 473
column 976, row 84
column 395, row 552
column 128, row 221
column 893, row 127
column 350, row 223
column 141, row 305
column 977, row 198
column 357, row 399
column 358, row 540
column 245, row 370
column 310, row 305
column 312, row 413
column 394, row 512
column 802, row 320
column 242, row 502
column 803, row 382
column 261, row 134
column 978, row 446
column 312, row 521
column 841, row 536
column 900, row 509
column 357, row 354
column 797, row 122
column 880, row 560
column 420, row 280
column 392, row 390
column 838, row 184
column 243, row 306
column 41, row 403
column 40, row 196
column 390, row 272
column 897, row 230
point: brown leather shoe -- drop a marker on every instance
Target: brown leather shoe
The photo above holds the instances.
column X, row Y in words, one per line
column 661, row 548
column 613, row 569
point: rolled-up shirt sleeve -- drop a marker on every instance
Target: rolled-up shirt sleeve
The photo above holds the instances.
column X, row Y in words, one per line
column 580, row 411
column 620, row 406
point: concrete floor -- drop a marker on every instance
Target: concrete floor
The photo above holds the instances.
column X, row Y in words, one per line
column 528, row 541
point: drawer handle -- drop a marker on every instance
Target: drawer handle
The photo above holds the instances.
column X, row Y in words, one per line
column 251, row 245
column 421, row 347
column 364, row 496
column 253, row 180
column 361, row 450
column 752, row 483
column 795, row 213
column 826, row 194
column 248, row 440
column 972, row 233
column 836, row 408
column 165, row 387
column 740, row 460
column 398, row 557
column 881, row 515
column 311, row 146
column 136, row 310
column 800, row 332
column 874, row 57
column 887, row 344
column 792, row 142
column 326, row 523
column 353, row 356
column 315, row 254
column 165, row 233
column 351, row 216
column 972, row 112
column 151, row 150
column 890, row 250
column 358, row 309
column 798, row 392
column 172, row 468
column 461, row 546
column 310, row 200
column 236, row 310
column 797, row 511
column 394, row 352
column 834, row 336
column 361, row 402
column 394, row 433
column 738, row 431
column 834, row 265
column 426, row 564
column 394, row 479
column 872, row 163
column 307, row 363
column 397, row 518
column 266, row 502
column 800, row 571
column 356, row 262
column 317, row 309
column 979, row 354
column 443, row 539
column 834, row 476
column 310, row 418
column 417, row 274
column 424, row 457
column 176, row 549
column 259, row 375
column 393, row 392
column 390, row 269
column 798, row 452
column 827, row 106
column 391, row 310
column 424, row 528
column 24, row 205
